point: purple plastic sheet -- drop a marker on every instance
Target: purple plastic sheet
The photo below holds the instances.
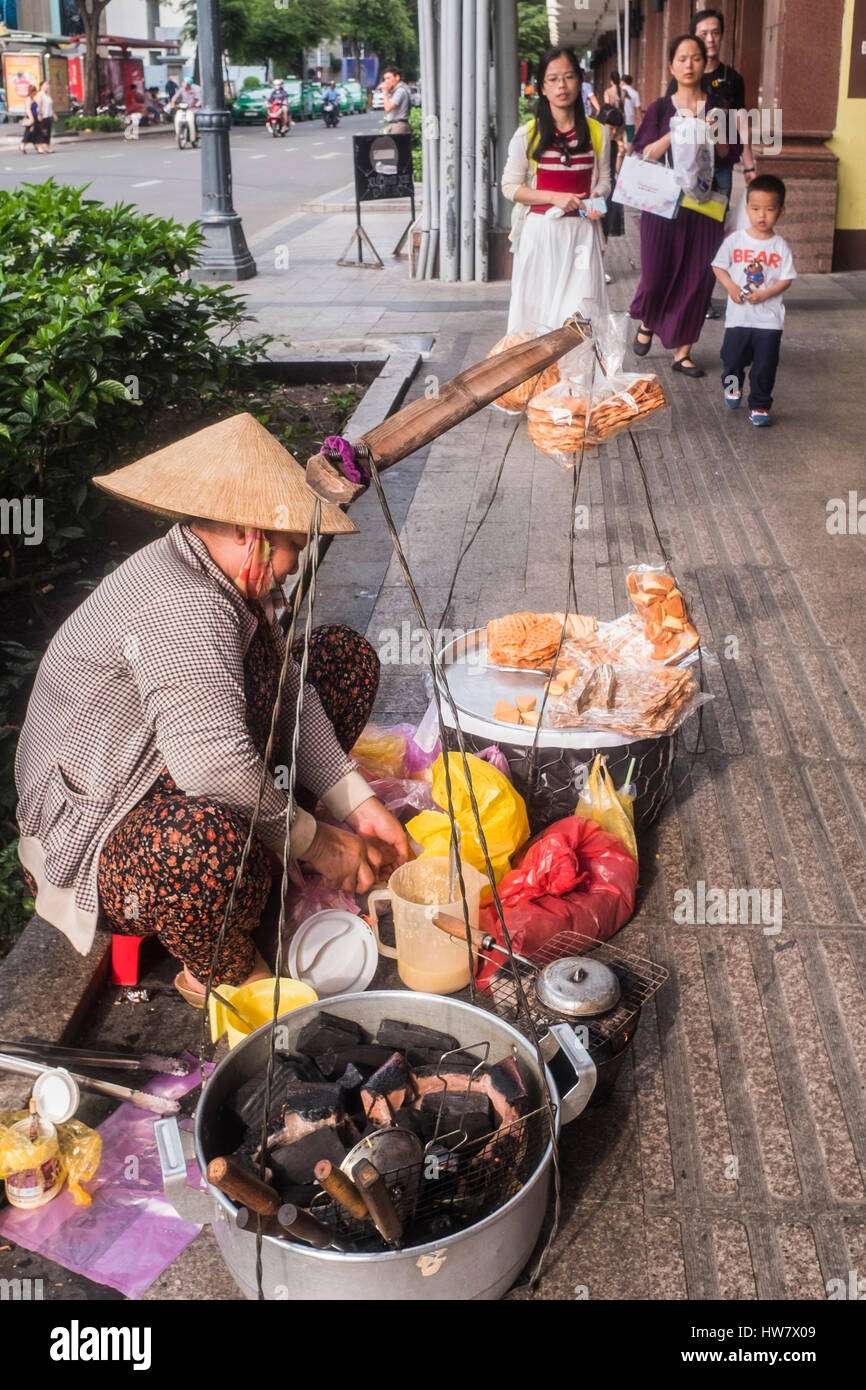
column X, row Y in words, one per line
column 130, row 1233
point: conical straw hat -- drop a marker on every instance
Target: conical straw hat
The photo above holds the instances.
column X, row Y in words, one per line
column 232, row 471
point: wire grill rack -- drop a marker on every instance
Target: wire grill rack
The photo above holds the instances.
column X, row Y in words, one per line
column 456, row 1184
column 639, row 979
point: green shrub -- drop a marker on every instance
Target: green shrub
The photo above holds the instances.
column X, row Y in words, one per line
column 250, row 83
column 101, row 329
column 415, row 130
column 94, row 123
column 16, row 904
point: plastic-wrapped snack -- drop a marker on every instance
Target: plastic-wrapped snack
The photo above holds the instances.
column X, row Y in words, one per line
column 661, row 608
column 528, row 641
column 515, row 400
column 646, row 701
column 634, row 395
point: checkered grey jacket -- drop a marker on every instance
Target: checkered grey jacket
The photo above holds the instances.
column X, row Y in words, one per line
column 149, row 673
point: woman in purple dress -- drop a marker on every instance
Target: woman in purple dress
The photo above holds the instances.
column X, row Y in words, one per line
column 676, row 282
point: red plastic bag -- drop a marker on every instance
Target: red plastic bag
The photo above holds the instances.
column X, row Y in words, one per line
column 573, row 876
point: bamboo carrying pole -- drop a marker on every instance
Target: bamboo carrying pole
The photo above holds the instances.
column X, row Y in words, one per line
column 424, row 420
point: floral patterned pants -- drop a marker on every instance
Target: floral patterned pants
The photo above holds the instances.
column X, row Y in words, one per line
column 167, row 869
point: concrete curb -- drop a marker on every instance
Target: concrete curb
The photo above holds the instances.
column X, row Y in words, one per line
column 149, row 132
column 46, row 987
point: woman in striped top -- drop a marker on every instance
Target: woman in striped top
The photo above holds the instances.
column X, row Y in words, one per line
column 555, row 164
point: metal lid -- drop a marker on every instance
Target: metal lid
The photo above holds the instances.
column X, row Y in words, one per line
column 335, row 952
column 56, row 1094
column 577, row 987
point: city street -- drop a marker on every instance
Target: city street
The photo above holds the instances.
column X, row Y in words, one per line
column 271, row 177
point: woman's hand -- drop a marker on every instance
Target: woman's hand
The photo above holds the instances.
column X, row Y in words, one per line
column 569, row 202
column 374, row 822
column 344, row 860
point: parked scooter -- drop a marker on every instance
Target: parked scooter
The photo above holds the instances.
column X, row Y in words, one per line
column 330, row 111
column 274, row 120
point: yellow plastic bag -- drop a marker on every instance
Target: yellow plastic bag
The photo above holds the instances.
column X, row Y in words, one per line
column 611, row 809
column 501, row 808
column 80, row 1152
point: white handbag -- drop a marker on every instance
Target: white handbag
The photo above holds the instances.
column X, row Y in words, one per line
column 648, row 187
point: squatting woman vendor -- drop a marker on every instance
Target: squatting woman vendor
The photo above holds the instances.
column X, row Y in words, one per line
column 554, row 164
column 141, row 756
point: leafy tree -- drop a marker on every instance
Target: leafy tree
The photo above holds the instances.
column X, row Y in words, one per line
column 91, row 12
column 533, row 34
column 388, row 28
column 278, row 34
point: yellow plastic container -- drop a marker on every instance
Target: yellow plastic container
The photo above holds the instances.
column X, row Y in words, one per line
column 256, row 1003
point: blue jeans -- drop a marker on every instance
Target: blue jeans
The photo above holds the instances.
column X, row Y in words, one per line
column 724, row 180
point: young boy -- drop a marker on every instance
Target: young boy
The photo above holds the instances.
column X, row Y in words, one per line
column 755, row 266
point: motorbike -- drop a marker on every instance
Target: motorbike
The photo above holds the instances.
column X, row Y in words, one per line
column 330, row 111
column 182, row 130
column 274, row 120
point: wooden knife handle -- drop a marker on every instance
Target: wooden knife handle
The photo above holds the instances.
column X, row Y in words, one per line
column 341, row 1189
column 243, row 1187
column 303, row 1226
column 373, row 1190
column 456, row 928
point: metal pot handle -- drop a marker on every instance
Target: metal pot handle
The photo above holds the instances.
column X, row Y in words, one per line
column 175, row 1147
column 561, row 1039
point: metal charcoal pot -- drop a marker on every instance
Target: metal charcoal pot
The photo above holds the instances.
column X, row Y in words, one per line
column 480, row 1262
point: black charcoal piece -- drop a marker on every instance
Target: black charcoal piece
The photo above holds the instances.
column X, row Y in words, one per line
column 328, row 1031
column 368, row 1057
column 452, row 1066
column 506, row 1079
column 399, row 1036
column 296, row 1162
column 312, row 1100
column 247, row 1103
column 393, row 1076
column 299, row 1194
column 415, row 1121
column 455, row 1104
column 350, row 1080
column 432, row 1057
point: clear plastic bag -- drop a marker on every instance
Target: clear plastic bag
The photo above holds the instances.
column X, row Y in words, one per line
column 391, row 752
column 613, row 810
column 513, row 402
column 693, row 157
column 661, row 609
column 636, row 701
column 591, row 404
column 80, row 1151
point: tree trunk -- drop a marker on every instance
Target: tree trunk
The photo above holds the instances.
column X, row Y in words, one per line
column 90, row 24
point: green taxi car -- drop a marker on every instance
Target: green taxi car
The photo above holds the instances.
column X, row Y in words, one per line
column 251, row 107
column 356, row 94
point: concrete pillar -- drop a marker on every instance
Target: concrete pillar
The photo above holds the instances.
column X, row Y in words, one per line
column 507, row 91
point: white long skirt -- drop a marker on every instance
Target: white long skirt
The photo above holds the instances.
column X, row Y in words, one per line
column 558, row 271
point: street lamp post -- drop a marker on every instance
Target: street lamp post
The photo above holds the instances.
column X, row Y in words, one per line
column 226, row 255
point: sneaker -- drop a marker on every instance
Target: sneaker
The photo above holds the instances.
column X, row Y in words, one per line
column 733, row 399
column 760, row 417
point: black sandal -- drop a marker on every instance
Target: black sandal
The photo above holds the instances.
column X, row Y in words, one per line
column 641, row 349
column 679, row 365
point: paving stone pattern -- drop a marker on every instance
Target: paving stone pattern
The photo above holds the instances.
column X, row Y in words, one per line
column 730, row 1162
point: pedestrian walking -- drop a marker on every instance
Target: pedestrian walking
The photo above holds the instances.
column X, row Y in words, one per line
column 613, row 221
column 45, row 118
column 555, row 164
column 676, row 281
column 397, row 101
column 30, row 123
column 591, row 103
column 755, row 266
column 613, row 93
column 631, row 109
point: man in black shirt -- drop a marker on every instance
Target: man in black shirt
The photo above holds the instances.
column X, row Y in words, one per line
column 722, row 83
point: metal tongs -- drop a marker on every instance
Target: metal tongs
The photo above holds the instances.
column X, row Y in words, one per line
column 157, row 1105
column 90, row 1057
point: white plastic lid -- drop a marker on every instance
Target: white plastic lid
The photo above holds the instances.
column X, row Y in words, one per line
column 57, row 1096
column 335, row 952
